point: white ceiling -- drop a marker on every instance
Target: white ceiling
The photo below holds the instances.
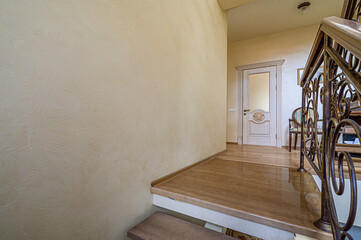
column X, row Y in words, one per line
column 228, row 4
column 261, row 17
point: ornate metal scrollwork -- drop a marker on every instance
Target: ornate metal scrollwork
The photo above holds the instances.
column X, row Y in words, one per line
column 343, row 94
column 338, row 158
column 356, row 12
column 339, row 95
column 312, row 145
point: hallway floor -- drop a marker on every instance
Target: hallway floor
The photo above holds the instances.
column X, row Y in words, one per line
column 263, row 155
column 256, row 183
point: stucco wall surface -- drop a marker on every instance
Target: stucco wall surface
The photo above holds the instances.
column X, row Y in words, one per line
column 293, row 46
column 99, row 98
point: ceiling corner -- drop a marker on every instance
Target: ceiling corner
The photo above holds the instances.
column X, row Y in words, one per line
column 228, row 4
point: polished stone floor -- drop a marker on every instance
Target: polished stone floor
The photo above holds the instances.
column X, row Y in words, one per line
column 256, row 183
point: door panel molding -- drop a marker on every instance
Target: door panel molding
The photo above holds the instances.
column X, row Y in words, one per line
column 241, row 69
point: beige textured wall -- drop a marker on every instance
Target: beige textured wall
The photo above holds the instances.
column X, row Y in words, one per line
column 293, row 46
column 97, row 99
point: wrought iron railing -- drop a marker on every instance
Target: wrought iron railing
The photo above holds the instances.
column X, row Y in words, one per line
column 337, row 49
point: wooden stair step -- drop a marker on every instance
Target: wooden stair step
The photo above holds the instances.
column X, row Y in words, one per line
column 356, row 160
column 351, row 148
column 355, row 107
column 345, row 170
column 348, row 130
column 357, row 167
column 160, row 226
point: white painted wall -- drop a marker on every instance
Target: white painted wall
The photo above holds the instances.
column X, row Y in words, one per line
column 293, row 46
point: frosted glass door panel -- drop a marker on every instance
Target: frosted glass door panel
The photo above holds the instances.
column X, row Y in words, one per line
column 259, row 91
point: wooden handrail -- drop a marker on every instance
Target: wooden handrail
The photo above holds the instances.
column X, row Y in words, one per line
column 313, row 58
column 347, row 13
column 345, row 32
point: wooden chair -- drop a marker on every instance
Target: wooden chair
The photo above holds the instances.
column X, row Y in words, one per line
column 294, row 125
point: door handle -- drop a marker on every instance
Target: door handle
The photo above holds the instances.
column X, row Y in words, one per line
column 246, row 110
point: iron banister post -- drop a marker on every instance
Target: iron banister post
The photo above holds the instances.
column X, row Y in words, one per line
column 324, row 222
column 302, row 157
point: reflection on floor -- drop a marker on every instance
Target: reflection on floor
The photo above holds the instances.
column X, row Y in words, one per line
column 256, row 183
column 263, row 155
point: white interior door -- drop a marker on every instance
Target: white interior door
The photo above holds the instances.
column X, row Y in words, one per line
column 259, row 106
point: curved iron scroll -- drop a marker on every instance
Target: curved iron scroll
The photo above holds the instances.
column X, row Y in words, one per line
column 343, row 94
column 338, row 158
column 337, row 89
column 310, row 117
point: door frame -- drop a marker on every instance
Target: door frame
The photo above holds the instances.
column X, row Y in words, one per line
column 240, row 69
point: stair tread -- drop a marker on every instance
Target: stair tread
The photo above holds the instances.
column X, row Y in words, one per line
column 162, row 226
column 351, row 148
